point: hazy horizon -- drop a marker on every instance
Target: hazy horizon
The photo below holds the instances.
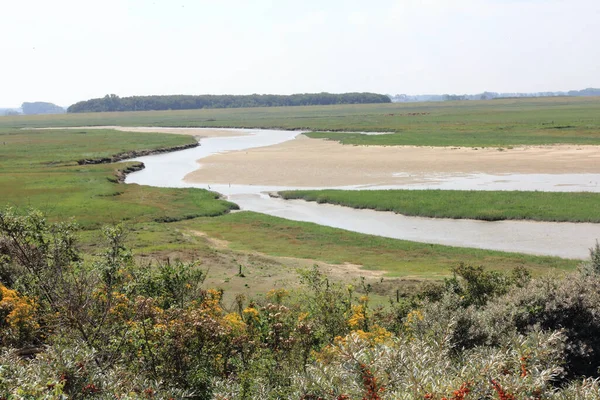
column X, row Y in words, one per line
column 392, row 95
column 68, row 51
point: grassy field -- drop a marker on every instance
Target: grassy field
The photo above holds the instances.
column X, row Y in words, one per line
column 482, row 205
column 40, row 148
column 38, row 169
column 398, row 258
column 496, row 123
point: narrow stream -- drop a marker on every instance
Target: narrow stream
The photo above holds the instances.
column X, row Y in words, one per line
column 569, row 240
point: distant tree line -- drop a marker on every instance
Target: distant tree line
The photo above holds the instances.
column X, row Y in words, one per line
column 404, row 98
column 9, row 112
column 184, row 102
column 40, row 107
column 584, row 92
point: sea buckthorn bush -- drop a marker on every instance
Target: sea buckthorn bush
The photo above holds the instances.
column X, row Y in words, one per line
column 75, row 326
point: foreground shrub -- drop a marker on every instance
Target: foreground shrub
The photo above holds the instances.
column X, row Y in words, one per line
column 70, row 370
column 109, row 328
column 571, row 304
column 424, row 368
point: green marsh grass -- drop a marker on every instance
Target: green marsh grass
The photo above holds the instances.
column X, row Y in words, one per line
column 250, row 231
column 38, row 169
column 477, row 204
column 495, row 123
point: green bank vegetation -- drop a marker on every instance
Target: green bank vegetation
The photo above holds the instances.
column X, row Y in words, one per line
column 497, row 123
column 482, row 205
column 22, row 149
column 399, row 258
column 39, row 169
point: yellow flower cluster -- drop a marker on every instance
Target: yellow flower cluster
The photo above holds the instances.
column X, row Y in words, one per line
column 251, row 313
column 121, row 305
column 377, row 335
column 19, row 310
column 358, row 317
column 413, row 316
column 212, row 303
column 235, row 322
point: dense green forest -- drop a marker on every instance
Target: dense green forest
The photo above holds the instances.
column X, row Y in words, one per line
column 184, row 102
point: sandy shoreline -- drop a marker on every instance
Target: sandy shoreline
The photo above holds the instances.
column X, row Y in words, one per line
column 314, row 162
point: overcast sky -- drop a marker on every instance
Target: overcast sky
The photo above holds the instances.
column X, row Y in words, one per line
column 64, row 51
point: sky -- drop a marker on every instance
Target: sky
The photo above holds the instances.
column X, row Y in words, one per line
column 64, row 51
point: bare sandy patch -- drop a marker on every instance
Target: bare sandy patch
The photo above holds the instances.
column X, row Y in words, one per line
column 196, row 132
column 337, row 270
column 309, row 162
column 263, row 272
column 213, row 242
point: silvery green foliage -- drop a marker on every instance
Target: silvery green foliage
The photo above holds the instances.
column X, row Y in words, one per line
column 410, row 367
column 586, row 389
column 592, row 266
column 526, row 343
column 258, row 388
column 64, row 372
column 571, row 304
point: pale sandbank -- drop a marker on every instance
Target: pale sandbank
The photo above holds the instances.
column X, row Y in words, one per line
column 305, row 162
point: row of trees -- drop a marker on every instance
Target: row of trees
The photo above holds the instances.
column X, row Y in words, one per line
column 404, row 98
column 41, row 107
column 184, row 102
column 72, row 326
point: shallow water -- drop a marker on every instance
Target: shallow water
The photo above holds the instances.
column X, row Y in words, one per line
column 168, row 169
column 568, row 240
column 524, row 182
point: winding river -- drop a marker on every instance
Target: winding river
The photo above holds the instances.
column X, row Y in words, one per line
column 568, row 240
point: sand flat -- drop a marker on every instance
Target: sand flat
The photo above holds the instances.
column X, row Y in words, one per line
column 197, row 132
column 315, row 162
